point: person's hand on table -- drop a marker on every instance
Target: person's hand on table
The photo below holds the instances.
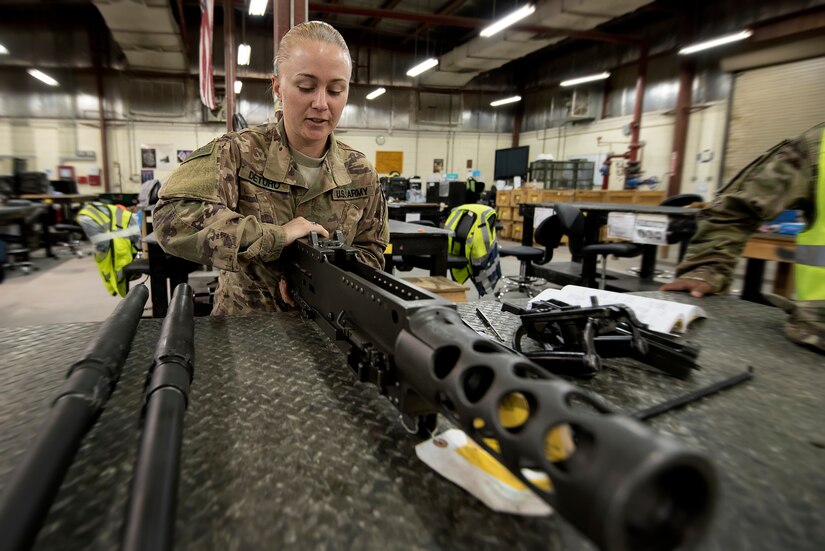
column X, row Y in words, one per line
column 696, row 287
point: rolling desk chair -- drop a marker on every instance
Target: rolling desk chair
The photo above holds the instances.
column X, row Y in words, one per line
column 17, row 245
column 572, row 221
column 548, row 234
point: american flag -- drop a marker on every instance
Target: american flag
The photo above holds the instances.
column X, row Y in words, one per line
column 205, row 55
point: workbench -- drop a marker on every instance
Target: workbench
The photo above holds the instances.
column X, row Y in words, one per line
column 283, row 449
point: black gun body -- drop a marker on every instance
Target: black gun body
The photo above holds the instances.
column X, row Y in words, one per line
column 623, row 486
column 89, row 384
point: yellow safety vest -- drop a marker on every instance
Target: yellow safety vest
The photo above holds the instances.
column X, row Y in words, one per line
column 809, row 271
column 120, row 250
column 474, row 237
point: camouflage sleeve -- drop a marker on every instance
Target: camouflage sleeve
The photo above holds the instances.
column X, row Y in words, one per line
column 194, row 218
column 373, row 230
column 777, row 181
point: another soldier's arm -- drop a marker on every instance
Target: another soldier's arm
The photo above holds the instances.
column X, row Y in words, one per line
column 373, row 231
column 779, row 181
column 195, row 218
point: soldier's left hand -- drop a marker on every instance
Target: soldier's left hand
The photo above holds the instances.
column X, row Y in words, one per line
column 284, row 289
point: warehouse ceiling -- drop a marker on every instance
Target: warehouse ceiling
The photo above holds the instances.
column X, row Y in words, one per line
column 161, row 35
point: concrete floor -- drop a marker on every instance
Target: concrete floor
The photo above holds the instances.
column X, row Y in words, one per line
column 69, row 289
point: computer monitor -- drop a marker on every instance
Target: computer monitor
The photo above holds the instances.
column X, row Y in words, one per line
column 511, row 162
column 66, row 187
column 35, row 183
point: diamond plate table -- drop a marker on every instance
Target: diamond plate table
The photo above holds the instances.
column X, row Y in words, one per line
column 284, row 450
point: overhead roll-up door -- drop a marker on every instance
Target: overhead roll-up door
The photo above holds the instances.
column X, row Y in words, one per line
column 771, row 104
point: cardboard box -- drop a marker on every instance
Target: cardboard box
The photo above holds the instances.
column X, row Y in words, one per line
column 441, row 286
column 505, row 213
column 517, row 231
column 503, row 198
column 505, row 231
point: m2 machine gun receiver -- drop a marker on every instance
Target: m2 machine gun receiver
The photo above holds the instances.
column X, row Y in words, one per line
column 621, row 484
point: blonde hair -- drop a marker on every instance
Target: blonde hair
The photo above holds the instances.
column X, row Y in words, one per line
column 316, row 31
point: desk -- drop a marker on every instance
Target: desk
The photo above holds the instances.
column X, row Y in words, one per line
column 65, row 202
column 415, row 240
column 761, row 248
column 283, row 449
column 595, row 215
column 426, row 211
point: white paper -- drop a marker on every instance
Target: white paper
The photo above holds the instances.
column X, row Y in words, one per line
column 620, row 225
column 540, row 213
column 664, row 316
column 440, row 453
column 650, row 229
column 412, row 216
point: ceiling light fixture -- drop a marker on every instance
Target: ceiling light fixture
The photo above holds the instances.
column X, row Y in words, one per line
column 238, row 86
column 43, row 77
column 708, row 44
column 3, row 50
column 421, row 67
column 582, row 80
column 244, row 53
column 505, row 101
column 508, row 20
column 375, row 93
column 257, row 7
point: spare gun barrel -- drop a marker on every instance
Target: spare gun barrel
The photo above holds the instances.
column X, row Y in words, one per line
column 89, row 384
column 150, row 518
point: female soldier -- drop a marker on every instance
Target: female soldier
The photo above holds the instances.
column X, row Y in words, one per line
column 238, row 201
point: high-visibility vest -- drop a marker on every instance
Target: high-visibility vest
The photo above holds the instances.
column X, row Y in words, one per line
column 474, row 237
column 809, row 270
column 111, row 229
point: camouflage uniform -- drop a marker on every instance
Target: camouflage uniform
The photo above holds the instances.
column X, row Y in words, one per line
column 785, row 177
column 226, row 204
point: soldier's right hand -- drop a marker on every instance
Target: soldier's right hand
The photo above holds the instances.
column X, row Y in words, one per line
column 695, row 287
column 301, row 227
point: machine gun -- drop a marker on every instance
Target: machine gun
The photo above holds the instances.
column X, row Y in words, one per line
column 575, row 339
column 620, row 483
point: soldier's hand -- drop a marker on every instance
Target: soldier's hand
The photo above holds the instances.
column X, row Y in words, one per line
column 284, row 289
column 301, row 227
column 695, row 287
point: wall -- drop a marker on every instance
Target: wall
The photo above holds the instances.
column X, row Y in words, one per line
column 706, row 132
column 47, row 141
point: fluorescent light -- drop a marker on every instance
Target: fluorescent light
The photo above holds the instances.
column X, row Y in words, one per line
column 505, row 101
column 257, row 7
column 727, row 39
column 582, row 80
column 244, row 53
column 238, row 86
column 43, row 77
column 375, row 93
column 3, row 50
column 421, row 67
column 508, row 20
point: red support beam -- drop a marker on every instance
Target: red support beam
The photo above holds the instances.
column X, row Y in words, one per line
column 229, row 60
column 680, row 129
column 638, row 106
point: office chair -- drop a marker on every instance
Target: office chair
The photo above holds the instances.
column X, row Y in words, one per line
column 71, row 234
column 16, row 247
column 572, row 221
column 548, row 234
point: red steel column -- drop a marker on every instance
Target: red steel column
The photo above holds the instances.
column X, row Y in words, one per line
column 229, row 59
column 636, row 124
column 680, row 129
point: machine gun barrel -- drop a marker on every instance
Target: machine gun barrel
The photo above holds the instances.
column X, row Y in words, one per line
column 150, row 519
column 89, row 384
column 621, row 484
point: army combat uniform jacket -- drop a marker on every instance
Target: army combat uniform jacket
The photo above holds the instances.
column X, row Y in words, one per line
column 225, row 205
column 785, row 177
